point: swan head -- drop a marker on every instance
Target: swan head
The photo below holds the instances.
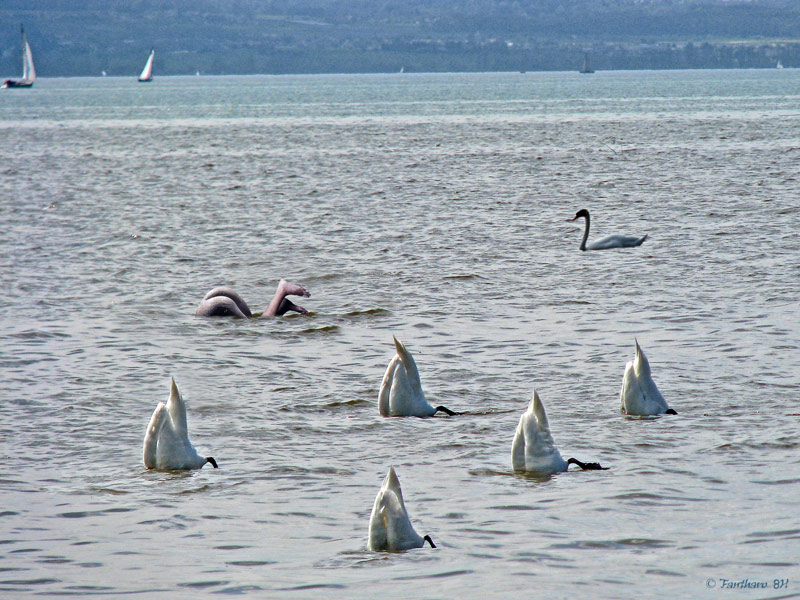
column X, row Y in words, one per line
column 592, row 466
column 210, row 459
column 428, row 539
column 581, row 213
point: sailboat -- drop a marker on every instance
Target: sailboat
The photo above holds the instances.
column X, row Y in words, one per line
column 585, row 68
column 147, row 72
column 28, row 72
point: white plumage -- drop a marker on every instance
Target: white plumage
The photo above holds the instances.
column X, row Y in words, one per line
column 614, row 240
column 401, row 392
column 390, row 528
column 166, row 442
column 640, row 394
column 533, row 449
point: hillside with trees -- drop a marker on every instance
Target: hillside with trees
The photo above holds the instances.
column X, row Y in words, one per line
column 315, row 36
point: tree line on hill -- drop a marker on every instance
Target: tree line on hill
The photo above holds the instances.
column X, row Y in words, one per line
column 322, row 36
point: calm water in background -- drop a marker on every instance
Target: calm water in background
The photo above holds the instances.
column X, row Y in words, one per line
column 430, row 207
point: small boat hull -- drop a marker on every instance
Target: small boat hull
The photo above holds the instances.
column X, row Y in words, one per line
column 11, row 83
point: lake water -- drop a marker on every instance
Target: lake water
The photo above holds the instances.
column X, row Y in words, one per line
column 433, row 208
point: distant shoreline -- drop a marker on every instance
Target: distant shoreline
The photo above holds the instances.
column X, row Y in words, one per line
column 405, row 74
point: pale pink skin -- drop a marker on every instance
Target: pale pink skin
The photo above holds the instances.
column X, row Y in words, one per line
column 277, row 305
column 224, row 302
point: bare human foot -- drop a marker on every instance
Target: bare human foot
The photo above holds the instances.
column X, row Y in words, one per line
column 280, row 305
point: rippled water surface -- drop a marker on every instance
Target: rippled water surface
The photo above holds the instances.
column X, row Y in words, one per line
column 432, row 208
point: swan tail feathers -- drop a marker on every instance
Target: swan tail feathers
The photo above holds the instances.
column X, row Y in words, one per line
column 384, row 406
column 409, row 363
column 518, row 446
column 641, row 364
column 151, row 436
column 392, row 483
column 538, row 410
column 177, row 411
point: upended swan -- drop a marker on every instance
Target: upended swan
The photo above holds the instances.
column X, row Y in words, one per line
column 401, row 392
column 224, row 302
column 390, row 528
column 533, row 449
column 610, row 241
column 166, row 442
column 639, row 394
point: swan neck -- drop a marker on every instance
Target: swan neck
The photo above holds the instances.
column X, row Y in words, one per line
column 585, row 233
column 586, row 466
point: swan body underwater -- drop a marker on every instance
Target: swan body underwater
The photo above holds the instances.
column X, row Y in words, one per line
column 224, row 302
column 390, row 528
column 401, row 392
column 166, row 442
column 640, row 394
column 533, row 449
column 610, row 241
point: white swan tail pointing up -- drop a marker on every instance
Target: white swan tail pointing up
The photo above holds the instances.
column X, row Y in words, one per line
column 401, row 392
column 640, row 394
column 533, row 449
column 390, row 528
column 166, row 443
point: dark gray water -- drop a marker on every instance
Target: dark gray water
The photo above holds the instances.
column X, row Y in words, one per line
column 430, row 207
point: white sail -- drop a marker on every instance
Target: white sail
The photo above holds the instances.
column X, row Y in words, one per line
column 147, row 72
column 28, row 71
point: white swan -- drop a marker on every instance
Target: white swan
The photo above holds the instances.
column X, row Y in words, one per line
column 533, row 449
column 166, row 442
column 401, row 392
column 639, row 394
column 390, row 528
column 610, row 241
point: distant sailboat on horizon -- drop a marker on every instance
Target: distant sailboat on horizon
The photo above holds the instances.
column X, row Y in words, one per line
column 779, row 65
column 28, row 71
column 585, row 68
column 147, row 72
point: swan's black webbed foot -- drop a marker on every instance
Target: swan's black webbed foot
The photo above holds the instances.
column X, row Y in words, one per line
column 586, row 466
column 670, row 411
column 444, row 409
column 428, row 539
column 212, row 461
